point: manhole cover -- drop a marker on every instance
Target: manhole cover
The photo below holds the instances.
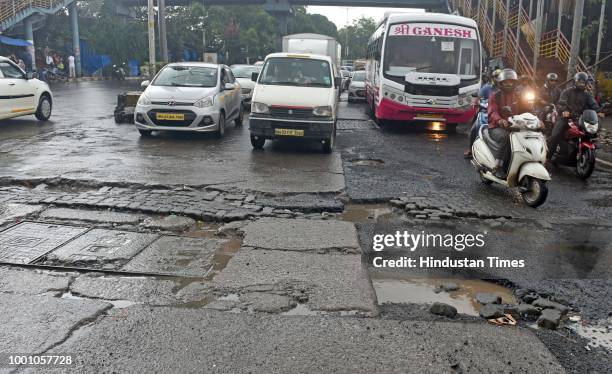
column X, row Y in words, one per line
column 350, row 124
column 101, row 246
column 367, row 162
column 28, row 241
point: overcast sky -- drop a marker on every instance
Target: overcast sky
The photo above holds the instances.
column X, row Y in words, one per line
column 337, row 14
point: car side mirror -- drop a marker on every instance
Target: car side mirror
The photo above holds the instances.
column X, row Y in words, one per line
column 254, row 76
column 229, row 86
column 145, row 84
column 29, row 75
column 338, row 81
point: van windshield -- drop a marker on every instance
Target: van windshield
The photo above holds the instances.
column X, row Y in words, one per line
column 289, row 71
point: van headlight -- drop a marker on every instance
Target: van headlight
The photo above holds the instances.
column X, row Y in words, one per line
column 144, row 100
column 260, row 108
column 322, row 111
column 591, row 128
column 204, row 103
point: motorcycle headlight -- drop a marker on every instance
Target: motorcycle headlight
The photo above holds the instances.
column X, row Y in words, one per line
column 144, row 100
column 591, row 128
column 530, row 96
column 204, row 103
column 322, row 111
column 260, row 108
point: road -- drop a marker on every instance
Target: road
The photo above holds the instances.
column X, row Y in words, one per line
column 136, row 234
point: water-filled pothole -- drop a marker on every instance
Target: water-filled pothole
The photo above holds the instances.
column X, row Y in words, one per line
column 427, row 291
column 367, row 162
column 363, row 212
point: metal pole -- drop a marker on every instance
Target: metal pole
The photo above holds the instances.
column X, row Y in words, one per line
column 559, row 18
column 505, row 47
column 518, row 31
column 599, row 36
column 29, row 36
column 163, row 40
column 538, row 34
column 575, row 46
column 151, row 29
column 478, row 13
column 76, row 48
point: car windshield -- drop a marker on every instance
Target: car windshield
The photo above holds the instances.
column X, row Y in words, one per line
column 289, row 71
column 359, row 76
column 443, row 49
column 186, row 76
column 245, row 71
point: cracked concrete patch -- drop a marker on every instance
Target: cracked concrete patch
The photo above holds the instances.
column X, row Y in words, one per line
column 301, row 235
column 33, row 282
column 10, row 212
column 176, row 255
column 333, row 282
column 170, row 223
column 69, row 214
column 33, row 324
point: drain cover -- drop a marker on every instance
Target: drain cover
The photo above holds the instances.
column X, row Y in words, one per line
column 102, row 246
column 27, row 241
column 350, row 124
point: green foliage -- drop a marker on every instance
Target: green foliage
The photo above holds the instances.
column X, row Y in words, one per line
column 354, row 38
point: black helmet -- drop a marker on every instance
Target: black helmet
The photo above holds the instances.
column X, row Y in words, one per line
column 581, row 77
column 507, row 79
column 552, row 77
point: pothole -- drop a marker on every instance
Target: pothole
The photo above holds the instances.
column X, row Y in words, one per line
column 118, row 304
column 358, row 213
column 367, row 162
column 598, row 334
column 406, row 290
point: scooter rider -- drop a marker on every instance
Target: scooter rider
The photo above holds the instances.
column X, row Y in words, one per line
column 573, row 101
column 507, row 95
column 483, row 94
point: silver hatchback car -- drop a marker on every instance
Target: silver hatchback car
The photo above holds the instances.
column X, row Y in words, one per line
column 190, row 96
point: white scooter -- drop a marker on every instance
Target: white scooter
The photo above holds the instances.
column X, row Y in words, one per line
column 526, row 169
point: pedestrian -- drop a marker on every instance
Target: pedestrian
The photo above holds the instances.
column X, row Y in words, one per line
column 71, row 67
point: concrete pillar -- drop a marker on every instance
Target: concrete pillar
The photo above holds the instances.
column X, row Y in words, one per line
column 518, row 31
column 506, row 27
column 29, row 36
column 280, row 10
column 538, row 34
column 76, row 48
column 163, row 40
column 575, row 46
column 151, row 34
column 600, row 33
column 559, row 18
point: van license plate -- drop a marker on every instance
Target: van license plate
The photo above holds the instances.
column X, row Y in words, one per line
column 170, row 116
column 288, row 132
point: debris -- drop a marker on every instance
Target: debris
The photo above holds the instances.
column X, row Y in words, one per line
column 547, row 304
column 550, row 319
column 489, row 311
column 507, row 319
column 528, row 311
column 575, row 318
column 488, row 298
column 450, row 286
column 442, row 309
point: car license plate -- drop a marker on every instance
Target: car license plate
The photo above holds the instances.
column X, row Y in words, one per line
column 170, row 116
column 288, row 132
column 429, row 115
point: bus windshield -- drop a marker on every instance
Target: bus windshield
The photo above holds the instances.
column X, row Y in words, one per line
column 289, row 71
column 442, row 49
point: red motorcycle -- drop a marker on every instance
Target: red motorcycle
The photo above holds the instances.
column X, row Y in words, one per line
column 578, row 148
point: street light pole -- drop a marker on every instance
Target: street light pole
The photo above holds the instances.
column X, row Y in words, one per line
column 575, row 46
column 599, row 36
column 151, row 30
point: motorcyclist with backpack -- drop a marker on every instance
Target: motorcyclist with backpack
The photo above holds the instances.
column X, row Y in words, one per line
column 572, row 102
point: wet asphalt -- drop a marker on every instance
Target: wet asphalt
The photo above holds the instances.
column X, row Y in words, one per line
column 566, row 243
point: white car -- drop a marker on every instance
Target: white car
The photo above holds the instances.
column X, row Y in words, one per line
column 296, row 96
column 21, row 94
column 243, row 74
column 189, row 96
column 356, row 89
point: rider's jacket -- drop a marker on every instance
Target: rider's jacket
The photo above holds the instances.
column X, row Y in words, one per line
column 576, row 101
column 499, row 99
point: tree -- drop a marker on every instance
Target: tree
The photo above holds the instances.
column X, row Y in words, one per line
column 354, row 38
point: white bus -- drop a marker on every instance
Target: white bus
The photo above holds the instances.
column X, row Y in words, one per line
column 423, row 67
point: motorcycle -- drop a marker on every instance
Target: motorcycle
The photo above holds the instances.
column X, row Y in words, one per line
column 578, row 147
column 526, row 170
column 119, row 72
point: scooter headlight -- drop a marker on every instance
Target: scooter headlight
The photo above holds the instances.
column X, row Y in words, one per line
column 530, row 96
column 144, row 100
column 591, row 128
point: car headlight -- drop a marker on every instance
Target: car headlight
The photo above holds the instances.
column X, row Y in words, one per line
column 260, row 108
column 144, row 100
column 204, row 103
column 322, row 111
column 591, row 128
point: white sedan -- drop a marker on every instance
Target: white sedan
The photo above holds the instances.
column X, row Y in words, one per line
column 243, row 74
column 21, row 94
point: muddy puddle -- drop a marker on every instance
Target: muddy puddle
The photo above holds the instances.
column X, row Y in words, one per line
column 202, row 230
column 400, row 289
column 357, row 213
column 367, row 162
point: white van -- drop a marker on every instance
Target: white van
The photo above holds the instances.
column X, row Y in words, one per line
column 296, row 95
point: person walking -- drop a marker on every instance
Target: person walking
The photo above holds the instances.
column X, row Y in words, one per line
column 71, row 67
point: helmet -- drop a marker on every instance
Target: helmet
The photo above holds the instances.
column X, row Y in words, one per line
column 496, row 73
column 581, row 80
column 552, row 77
column 507, row 79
